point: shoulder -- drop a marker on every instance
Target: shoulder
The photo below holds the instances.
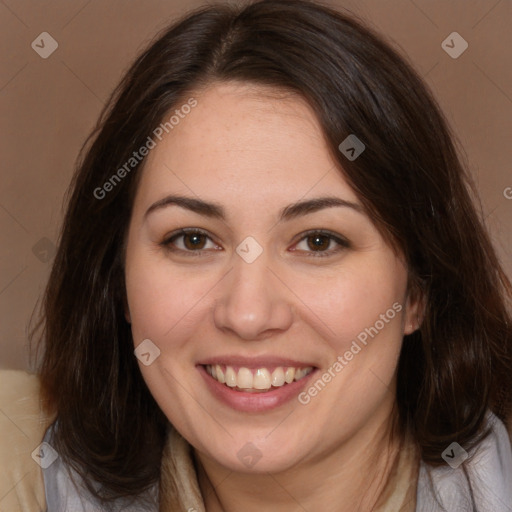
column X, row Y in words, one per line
column 481, row 477
column 23, row 424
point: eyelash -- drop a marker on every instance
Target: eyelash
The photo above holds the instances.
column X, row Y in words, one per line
column 342, row 243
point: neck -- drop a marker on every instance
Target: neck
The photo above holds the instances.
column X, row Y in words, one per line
column 351, row 477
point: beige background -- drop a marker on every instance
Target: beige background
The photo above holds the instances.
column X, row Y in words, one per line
column 48, row 106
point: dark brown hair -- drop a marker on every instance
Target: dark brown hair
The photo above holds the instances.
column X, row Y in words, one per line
column 409, row 178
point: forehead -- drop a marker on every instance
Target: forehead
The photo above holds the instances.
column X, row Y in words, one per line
column 244, row 140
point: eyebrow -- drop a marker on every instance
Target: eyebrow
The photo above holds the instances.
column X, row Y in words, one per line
column 217, row 211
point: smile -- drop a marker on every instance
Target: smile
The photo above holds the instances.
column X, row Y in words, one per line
column 257, row 380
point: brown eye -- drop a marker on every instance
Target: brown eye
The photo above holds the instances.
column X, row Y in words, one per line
column 189, row 241
column 194, row 240
column 320, row 243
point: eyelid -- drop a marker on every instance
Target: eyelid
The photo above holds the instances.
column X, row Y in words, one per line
column 184, row 231
column 342, row 242
column 166, row 243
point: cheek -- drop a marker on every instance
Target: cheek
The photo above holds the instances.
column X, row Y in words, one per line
column 162, row 302
column 359, row 302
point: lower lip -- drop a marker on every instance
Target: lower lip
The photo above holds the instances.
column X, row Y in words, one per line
column 254, row 402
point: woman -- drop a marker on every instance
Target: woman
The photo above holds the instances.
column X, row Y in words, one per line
column 272, row 290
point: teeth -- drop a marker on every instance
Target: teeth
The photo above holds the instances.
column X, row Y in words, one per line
column 289, row 375
column 261, row 379
column 278, row 377
column 300, row 372
column 244, row 378
column 220, row 374
column 230, row 377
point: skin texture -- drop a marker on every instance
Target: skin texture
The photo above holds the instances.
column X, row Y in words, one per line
column 255, row 151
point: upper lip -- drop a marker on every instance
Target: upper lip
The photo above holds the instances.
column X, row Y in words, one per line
column 255, row 362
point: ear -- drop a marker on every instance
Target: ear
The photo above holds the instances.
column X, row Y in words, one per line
column 415, row 306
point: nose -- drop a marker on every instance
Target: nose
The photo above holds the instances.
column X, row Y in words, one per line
column 253, row 304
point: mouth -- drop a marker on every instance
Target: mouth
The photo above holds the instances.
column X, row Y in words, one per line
column 255, row 385
column 256, row 380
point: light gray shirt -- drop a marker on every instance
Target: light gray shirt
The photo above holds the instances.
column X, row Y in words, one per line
column 481, row 483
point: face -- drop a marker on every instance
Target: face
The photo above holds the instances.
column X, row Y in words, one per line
column 237, row 266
